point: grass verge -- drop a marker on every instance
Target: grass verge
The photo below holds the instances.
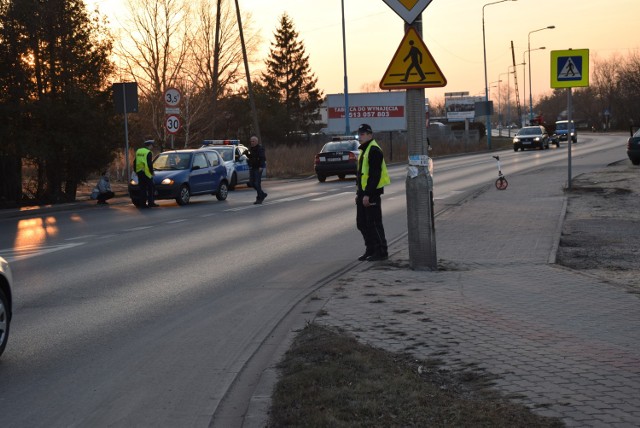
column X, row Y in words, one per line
column 331, row 380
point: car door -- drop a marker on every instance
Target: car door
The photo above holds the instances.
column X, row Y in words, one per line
column 242, row 165
column 218, row 169
column 201, row 178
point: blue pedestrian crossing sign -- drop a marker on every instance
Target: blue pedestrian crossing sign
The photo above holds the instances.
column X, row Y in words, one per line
column 570, row 68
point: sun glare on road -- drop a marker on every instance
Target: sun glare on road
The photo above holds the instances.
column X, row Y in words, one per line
column 35, row 231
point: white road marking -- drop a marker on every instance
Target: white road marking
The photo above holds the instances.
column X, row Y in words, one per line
column 22, row 253
column 334, row 196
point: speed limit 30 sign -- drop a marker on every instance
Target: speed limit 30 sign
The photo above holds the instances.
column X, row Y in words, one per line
column 172, row 123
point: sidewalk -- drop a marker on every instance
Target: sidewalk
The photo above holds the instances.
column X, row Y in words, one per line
column 563, row 343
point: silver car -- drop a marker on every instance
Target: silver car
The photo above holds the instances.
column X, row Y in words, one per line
column 234, row 156
column 5, row 303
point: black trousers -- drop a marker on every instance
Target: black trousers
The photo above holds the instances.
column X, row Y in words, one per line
column 147, row 189
column 369, row 223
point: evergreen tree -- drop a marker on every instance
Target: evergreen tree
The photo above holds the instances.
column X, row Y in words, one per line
column 54, row 65
column 287, row 96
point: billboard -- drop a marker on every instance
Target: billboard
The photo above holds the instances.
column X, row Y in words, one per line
column 384, row 111
column 461, row 107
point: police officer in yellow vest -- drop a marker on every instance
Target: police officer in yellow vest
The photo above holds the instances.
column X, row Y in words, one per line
column 371, row 178
column 143, row 166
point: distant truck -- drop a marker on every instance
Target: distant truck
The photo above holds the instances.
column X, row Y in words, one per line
column 563, row 130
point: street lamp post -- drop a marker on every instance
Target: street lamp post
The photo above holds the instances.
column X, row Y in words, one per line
column 486, row 85
column 509, row 73
column 500, row 118
column 550, row 27
column 524, row 74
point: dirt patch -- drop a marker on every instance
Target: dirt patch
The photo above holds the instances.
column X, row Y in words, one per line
column 601, row 231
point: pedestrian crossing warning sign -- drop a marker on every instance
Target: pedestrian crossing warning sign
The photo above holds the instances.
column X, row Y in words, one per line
column 570, row 68
column 412, row 66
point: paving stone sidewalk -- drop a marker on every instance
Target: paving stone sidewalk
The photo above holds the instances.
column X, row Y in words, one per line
column 565, row 344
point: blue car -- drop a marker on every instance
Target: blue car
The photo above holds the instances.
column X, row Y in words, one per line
column 179, row 174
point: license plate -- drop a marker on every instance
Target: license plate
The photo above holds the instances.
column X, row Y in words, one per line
column 334, row 159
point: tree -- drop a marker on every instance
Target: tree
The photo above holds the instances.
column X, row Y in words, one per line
column 287, row 94
column 54, row 65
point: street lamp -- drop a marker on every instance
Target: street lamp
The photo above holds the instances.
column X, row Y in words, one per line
column 509, row 98
column 491, row 85
column 524, row 73
column 500, row 120
column 550, row 27
column 486, row 85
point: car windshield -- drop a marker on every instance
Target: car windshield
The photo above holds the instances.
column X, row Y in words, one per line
column 561, row 126
column 225, row 152
column 529, row 131
column 637, row 133
column 171, row 161
column 340, row 146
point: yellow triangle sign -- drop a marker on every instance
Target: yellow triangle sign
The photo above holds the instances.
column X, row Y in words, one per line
column 412, row 66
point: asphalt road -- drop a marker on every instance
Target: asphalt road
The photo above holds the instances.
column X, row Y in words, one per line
column 146, row 318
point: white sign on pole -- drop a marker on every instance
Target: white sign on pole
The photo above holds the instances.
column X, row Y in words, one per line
column 408, row 9
column 172, row 123
column 172, row 97
column 383, row 111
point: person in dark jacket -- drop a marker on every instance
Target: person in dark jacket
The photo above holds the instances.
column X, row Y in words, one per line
column 257, row 163
column 371, row 178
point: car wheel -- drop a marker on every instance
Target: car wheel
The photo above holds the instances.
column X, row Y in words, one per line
column 4, row 321
column 136, row 203
column 635, row 161
column 515, row 149
column 234, row 182
column 321, row 178
column 341, row 176
column 223, row 191
column 184, row 195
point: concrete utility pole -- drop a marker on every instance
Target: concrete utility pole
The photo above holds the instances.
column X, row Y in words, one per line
column 254, row 113
column 419, row 188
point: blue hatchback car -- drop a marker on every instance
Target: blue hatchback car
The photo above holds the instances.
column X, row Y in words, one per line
column 179, row 174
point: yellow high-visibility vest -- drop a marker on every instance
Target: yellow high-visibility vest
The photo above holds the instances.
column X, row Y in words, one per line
column 364, row 173
column 141, row 161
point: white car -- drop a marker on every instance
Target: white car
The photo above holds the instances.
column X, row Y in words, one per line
column 5, row 303
column 235, row 160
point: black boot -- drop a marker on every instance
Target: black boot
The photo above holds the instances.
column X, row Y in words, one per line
column 367, row 253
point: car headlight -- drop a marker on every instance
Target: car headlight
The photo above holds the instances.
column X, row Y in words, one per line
column 516, row 140
column 537, row 139
column 167, row 182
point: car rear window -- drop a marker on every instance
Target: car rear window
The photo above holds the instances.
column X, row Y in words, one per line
column 340, row 146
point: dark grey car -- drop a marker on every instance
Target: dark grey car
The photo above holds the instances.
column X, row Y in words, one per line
column 531, row 137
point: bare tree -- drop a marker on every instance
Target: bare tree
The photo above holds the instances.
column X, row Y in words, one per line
column 217, row 60
column 155, row 51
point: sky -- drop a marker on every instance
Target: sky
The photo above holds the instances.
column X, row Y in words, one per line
column 452, row 31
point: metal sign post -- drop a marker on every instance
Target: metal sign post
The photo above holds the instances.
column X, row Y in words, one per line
column 569, row 69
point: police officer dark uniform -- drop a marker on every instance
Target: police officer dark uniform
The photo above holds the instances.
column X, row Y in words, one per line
column 371, row 178
column 143, row 166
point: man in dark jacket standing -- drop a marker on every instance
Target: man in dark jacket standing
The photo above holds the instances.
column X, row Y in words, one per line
column 257, row 163
column 371, row 178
